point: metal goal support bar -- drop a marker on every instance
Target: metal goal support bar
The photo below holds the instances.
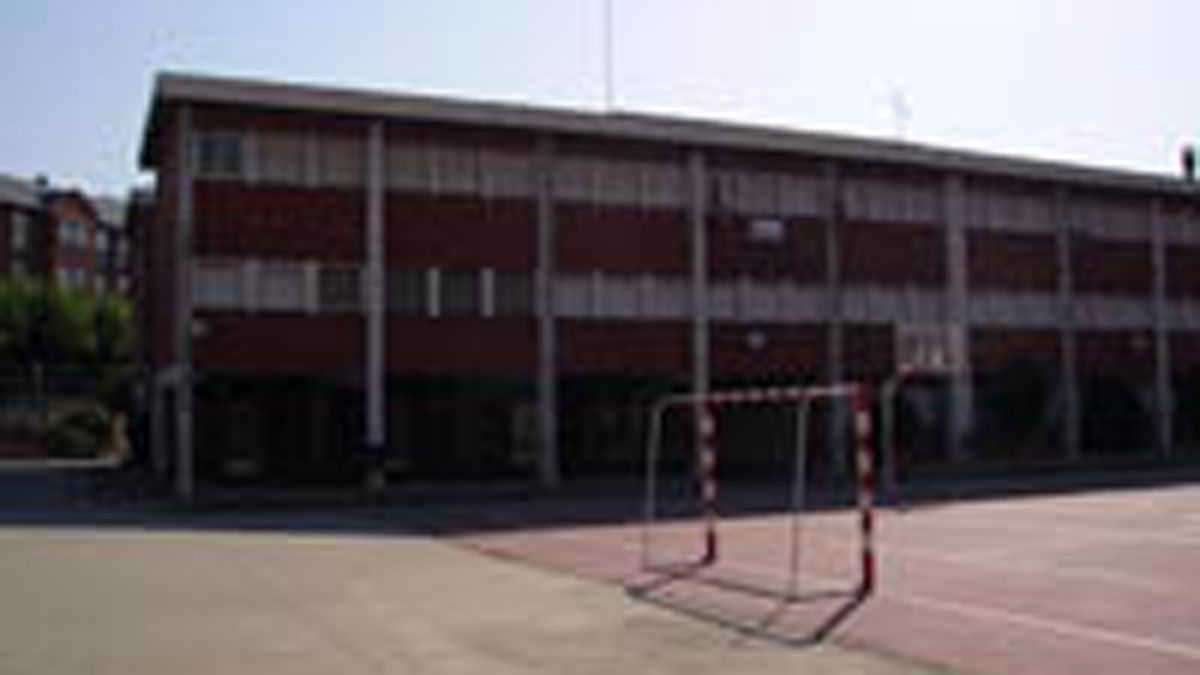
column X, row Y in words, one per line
column 705, row 408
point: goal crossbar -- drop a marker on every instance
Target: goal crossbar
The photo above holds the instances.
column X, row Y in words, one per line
column 705, row 408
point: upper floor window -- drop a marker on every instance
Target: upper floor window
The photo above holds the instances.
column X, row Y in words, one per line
column 767, row 231
column 19, row 233
column 72, row 232
column 219, row 154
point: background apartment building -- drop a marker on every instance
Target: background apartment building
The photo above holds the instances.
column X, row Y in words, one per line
column 462, row 287
column 61, row 235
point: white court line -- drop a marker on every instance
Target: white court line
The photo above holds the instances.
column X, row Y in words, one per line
column 1082, row 631
column 1056, row 522
column 1069, row 571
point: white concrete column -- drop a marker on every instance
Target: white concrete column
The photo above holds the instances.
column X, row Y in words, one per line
column 1068, row 374
column 835, row 215
column 487, row 292
column 547, row 332
column 958, row 320
column 185, row 483
column 374, row 376
column 433, row 292
column 1164, row 399
column 312, row 287
column 698, row 216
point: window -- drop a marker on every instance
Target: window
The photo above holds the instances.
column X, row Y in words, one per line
column 72, row 232
column 282, row 287
column 343, row 162
column 219, row 154
column 217, row 285
column 460, row 293
column 20, row 231
column 69, row 277
column 767, row 231
column 406, row 291
column 340, row 289
column 281, row 159
column 102, row 241
column 514, row 294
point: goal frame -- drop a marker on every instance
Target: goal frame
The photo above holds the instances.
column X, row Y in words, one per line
column 705, row 408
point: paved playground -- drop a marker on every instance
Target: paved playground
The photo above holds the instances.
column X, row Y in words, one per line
column 332, row 591
column 1099, row 582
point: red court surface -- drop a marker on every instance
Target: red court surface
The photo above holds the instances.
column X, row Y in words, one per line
column 1097, row 582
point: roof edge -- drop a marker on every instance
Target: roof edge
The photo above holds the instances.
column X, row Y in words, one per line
column 690, row 131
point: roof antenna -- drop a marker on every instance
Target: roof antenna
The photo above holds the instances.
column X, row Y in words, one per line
column 608, row 55
column 901, row 113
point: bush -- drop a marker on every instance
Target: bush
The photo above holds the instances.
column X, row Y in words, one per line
column 83, row 432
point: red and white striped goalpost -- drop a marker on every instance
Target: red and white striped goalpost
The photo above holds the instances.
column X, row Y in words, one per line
column 705, row 409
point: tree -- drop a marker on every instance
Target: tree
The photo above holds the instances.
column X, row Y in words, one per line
column 62, row 326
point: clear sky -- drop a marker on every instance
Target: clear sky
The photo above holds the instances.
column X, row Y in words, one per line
column 1096, row 81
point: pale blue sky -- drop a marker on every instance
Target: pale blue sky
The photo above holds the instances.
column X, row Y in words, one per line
column 1097, row 81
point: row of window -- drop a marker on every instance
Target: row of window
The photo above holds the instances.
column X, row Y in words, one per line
column 313, row 288
column 253, row 286
column 340, row 161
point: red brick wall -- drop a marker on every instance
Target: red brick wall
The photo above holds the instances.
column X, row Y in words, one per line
column 283, row 222
column 1185, row 350
column 1012, row 261
column 279, row 343
column 429, row 231
column 1119, row 267
column 800, row 256
column 1183, row 270
column 868, row 352
column 994, row 347
column 1119, row 352
column 622, row 240
column 633, row 347
column 785, row 350
column 461, row 346
column 892, row 254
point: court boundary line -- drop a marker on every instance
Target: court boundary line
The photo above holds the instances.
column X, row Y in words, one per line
column 1077, row 630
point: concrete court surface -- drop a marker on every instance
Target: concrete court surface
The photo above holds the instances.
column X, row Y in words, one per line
column 347, row 592
column 1097, row 581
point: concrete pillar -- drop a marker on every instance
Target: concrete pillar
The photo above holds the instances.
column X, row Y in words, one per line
column 184, row 470
column 834, row 217
column 835, row 214
column 958, row 318
column 1164, row 403
column 547, row 364
column 374, row 376
column 1068, row 374
column 698, row 217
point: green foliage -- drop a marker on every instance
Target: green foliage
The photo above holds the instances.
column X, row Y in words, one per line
column 62, row 325
column 20, row 300
column 83, row 432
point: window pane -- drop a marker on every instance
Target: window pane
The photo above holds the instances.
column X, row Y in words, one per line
column 281, row 158
column 341, row 289
column 219, row 154
column 282, row 287
column 217, row 285
column 514, row 294
column 406, row 291
column 460, row 293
